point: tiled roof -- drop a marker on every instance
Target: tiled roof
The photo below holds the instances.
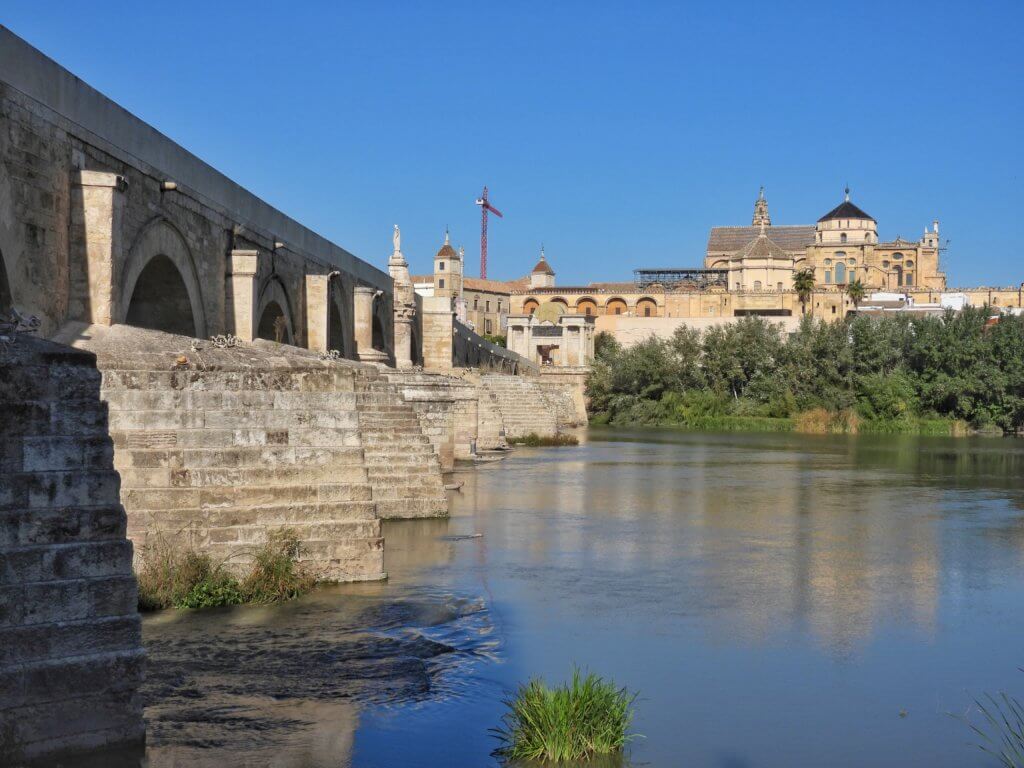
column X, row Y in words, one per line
column 761, row 247
column 846, row 210
column 543, row 266
column 493, row 286
column 732, row 239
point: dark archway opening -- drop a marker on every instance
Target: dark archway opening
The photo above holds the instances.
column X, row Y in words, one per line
column 273, row 324
column 6, row 299
column 160, row 300
column 335, row 328
column 378, row 341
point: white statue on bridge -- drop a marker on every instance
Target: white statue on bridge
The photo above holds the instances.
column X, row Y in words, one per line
column 396, row 238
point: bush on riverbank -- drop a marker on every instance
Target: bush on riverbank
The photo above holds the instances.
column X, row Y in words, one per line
column 927, row 375
column 586, row 717
column 171, row 576
column 533, row 440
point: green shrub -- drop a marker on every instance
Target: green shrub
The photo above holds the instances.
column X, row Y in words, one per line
column 587, row 717
column 277, row 575
column 172, row 576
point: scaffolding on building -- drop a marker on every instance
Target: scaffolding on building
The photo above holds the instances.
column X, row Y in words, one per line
column 681, row 278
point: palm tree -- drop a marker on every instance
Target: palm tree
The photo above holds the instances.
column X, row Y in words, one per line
column 803, row 284
column 856, row 291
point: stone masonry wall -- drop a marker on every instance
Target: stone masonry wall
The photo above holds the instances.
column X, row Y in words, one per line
column 71, row 657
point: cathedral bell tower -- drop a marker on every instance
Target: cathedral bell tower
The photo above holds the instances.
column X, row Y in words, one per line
column 761, row 217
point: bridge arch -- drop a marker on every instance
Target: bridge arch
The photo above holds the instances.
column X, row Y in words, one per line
column 379, row 339
column 160, row 286
column 275, row 312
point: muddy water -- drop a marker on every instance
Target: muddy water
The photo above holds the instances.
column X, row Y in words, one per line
column 777, row 600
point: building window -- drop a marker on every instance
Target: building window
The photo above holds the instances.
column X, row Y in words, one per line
column 885, row 265
column 867, row 237
column 440, row 283
column 909, row 263
column 757, row 285
column 908, row 278
column 828, row 277
column 828, row 262
column 487, row 326
column 897, row 255
column 586, row 310
column 487, row 306
column 842, row 238
column 738, row 287
column 476, row 302
column 647, row 311
column 499, row 306
column 840, row 273
column 833, row 309
column 779, row 286
column 618, row 310
column 440, row 266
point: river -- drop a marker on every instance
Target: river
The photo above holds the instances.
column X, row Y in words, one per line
column 777, row 600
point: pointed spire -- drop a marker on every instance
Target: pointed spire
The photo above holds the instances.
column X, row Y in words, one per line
column 847, row 193
column 761, row 217
column 446, row 235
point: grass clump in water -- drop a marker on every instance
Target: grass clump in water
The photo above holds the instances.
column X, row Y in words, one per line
column 1003, row 730
column 533, row 440
column 174, row 577
column 584, row 718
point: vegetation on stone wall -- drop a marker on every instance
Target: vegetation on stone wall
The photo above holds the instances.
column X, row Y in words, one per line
column 496, row 339
column 933, row 375
column 584, row 718
column 533, row 440
column 171, row 576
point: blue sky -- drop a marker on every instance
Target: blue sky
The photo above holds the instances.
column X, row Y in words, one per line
column 614, row 133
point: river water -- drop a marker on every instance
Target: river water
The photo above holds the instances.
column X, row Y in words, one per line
column 777, row 601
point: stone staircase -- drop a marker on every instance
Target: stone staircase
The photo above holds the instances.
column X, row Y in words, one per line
column 71, row 657
column 402, row 465
column 219, row 447
column 523, row 403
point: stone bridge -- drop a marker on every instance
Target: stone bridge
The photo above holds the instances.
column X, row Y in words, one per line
column 221, row 371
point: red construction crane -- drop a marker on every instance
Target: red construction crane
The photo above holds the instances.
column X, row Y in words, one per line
column 485, row 206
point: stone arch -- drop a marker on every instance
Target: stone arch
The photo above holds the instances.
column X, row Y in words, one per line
column 339, row 319
column 559, row 300
column 530, row 306
column 158, row 249
column 646, row 307
column 379, row 338
column 586, row 306
column 273, row 303
column 616, row 305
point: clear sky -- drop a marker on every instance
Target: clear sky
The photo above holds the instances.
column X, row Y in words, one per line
column 614, row 133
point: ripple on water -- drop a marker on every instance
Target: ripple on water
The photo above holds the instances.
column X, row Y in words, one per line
column 229, row 685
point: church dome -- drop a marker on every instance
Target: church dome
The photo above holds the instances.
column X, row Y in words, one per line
column 446, row 252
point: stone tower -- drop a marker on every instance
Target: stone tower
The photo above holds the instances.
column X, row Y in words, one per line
column 447, row 271
column 761, row 217
column 542, row 276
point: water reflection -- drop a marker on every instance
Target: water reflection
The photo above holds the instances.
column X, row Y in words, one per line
column 778, row 600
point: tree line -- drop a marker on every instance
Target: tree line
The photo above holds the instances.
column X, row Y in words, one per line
column 891, row 373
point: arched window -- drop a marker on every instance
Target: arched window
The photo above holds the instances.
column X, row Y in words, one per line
column 840, row 273
column 867, row 237
column 842, row 237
